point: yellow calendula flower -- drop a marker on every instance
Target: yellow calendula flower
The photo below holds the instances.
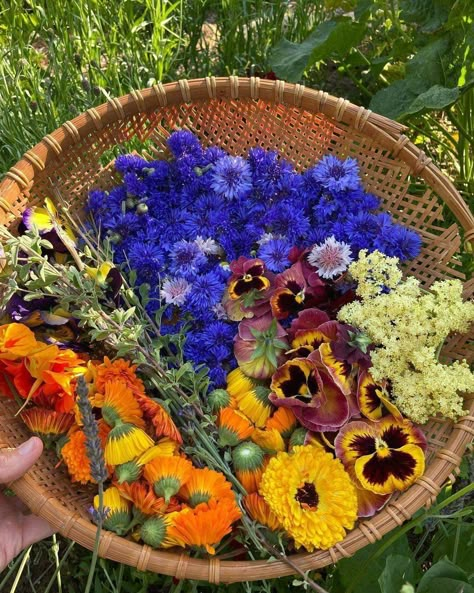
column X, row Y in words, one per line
column 311, row 495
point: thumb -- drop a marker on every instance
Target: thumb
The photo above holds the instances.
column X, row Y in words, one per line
column 15, row 462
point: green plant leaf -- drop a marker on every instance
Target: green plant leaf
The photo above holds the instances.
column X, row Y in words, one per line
column 445, row 546
column 444, row 577
column 332, row 38
column 398, row 571
column 429, row 15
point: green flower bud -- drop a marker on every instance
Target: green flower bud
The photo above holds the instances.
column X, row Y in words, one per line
column 217, row 399
column 247, row 457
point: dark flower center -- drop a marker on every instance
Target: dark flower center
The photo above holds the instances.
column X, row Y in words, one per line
column 307, row 496
column 337, row 171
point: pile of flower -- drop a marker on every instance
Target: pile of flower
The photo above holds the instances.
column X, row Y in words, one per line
column 268, row 362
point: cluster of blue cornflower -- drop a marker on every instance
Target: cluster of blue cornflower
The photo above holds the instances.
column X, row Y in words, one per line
column 178, row 224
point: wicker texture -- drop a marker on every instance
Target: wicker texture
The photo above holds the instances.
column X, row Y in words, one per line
column 237, row 113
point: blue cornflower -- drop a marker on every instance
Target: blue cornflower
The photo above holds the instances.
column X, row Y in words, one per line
column 360, row 230
column 275, row 254
column 218, row 333
column 186, row 259
column 208, row 213
column 231, row 177
column 396, row 240
column 336, row 175
column 146, row 259
column 123, row 225
column 134, row 185
column 97, row 202
column 184, row 144
column 172, row 220
column 206, row 291
column 271, row 175
column 126, row 163
column 287, row 220
column 212, row 154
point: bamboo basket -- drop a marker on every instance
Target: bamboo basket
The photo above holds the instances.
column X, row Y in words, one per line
column 237, row 113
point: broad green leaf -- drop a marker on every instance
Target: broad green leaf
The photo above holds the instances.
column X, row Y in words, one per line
column 445, row 577
column 329, row 39
column 363, row 573
column 398, row 571
column 465, row 549
column 429, row 15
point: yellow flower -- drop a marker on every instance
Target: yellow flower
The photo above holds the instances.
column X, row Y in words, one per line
column 311, row 495
column 270, row 441
column 124, row 443
column 118, row 511
column 252, row 399
column 16, row 341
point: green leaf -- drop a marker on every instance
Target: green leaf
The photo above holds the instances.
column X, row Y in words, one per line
column 398, row 571
column 445, row 546
column 429, row 15
column 330, row 39
column 444, row 577
column 354, row 569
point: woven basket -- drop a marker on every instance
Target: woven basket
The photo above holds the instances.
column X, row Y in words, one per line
column 236, row 114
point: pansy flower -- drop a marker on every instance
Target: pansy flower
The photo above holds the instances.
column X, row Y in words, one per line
column 49, row 224
column 374, row 399
column 259, row 346
column 247, row 275
column 310, row 389
column 385, row 456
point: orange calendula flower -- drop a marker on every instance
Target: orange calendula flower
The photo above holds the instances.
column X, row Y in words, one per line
column 119, row 369
column 16, row 341
column 259, row 511
column 75, row 455
column 249, row 462
column 205, row 525
column 159, row 418
column 132, row 470
column 386, row 456
column 144, row 499
column 167, row 475
column 120, row 405
column 233, row 427
column 47, row 424
column 282, row 420
column 203, row 485
column 250, row 397
column 373, row 399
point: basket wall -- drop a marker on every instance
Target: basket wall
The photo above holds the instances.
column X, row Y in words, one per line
column 237, row 114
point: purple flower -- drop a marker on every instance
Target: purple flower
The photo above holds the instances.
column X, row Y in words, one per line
column 174, row 291
column 186, row 259
column 274, row 253
column 231, row 177
column 336, row 175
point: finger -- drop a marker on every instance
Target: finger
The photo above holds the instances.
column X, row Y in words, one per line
column 15, row 462
column 34, row 530
column 7, row 503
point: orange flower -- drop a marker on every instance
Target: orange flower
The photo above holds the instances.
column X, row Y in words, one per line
column 204, row 485
column 161, row 420
column 250, row 478
column 75, row 455
column 259, row 510
column 16, row 341
column 283, row 420
column 119, row 369
column 145, row 500
column 120, row 405
column 47, row 423
column 270, row 441
column 249, row 462
column 168, row 475
column 233, row 427
column 205, row 525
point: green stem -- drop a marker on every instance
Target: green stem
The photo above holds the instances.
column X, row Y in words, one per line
column 59, row 566
column 95, row 553
column 18, row 575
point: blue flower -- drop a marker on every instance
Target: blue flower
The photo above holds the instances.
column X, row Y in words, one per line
column 275, row 254
column 183, row 144
column 147, row 260
column 272, row 175
column 208, row 213
column 398, row 241
column 360, row 230
column 97, row 202
column 213, row 154
column 336, row 175
column 186, row 259
column 126, row 163
column 123, row 224
column 287, row 220
column 206, row 291
column 134, row 186
column 231, row 177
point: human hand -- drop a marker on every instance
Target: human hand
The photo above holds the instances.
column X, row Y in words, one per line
column 18, row 528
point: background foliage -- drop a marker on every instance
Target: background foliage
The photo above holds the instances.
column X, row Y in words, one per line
column 411, row 60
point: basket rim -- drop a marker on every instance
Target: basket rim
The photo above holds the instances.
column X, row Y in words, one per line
column 389, row 135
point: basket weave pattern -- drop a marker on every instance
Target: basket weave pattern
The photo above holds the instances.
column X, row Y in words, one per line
column 236, row 114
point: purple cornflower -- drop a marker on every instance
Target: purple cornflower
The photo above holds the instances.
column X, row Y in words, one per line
column 174, row 291
column 186, row 259
column 231, row 177
column 336, row 175
column 275, row 254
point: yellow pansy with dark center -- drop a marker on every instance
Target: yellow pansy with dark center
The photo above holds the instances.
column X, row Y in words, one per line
column 295, row 379
column 385, row 456
column 373, row 398
column 306, row 342
column 252, row 278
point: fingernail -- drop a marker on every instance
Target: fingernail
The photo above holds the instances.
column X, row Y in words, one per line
column 27, row 447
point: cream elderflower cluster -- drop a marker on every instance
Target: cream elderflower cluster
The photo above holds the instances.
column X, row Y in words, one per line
column 408, row 325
